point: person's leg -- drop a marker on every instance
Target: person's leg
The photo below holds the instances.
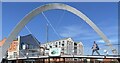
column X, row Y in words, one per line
column 97, row 52
column 92, row 52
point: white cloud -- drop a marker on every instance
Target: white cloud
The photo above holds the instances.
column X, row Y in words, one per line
column 72, row 31
column 100, row 41
column 111, row 41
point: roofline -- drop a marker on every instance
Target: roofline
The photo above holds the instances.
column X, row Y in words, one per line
column 58, row 40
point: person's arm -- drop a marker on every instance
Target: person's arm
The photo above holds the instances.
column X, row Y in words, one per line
column 92, row 47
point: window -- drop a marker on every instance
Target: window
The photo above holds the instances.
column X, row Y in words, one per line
column 67, row 41
column 56, row 42
column 15, row 54
column 62, row 44
column 59, row 43
column 75, row 43
column 50, row 46
column 62, row 48
column 55, row 45
column 75, row 47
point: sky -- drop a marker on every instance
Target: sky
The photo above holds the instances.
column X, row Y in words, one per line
column 66, row 24
column 0, row 20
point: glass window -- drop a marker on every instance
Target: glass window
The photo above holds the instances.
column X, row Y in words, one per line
column 62, row 44
column 59, row 43
column 56, row 42
column 55, row 45
column 15, row 54
column 50, row 46
column 75, row 43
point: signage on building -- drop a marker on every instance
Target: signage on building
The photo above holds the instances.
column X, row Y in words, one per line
column 55, row 52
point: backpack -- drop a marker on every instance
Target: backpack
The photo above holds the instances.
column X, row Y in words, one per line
column 97, row 47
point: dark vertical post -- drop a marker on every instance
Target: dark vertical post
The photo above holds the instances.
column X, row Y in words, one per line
column 64, row 60
column 49, row 60
column 47, row 33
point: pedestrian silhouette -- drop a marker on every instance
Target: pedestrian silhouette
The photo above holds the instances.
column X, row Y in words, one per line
column 95, row 48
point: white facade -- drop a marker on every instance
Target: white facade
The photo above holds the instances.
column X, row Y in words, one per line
column 66, row 45
column 80, row 49
column 14, row 52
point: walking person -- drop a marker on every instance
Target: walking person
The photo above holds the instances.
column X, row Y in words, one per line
column 95, row 48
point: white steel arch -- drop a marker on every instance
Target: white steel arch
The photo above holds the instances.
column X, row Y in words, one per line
column 43, row 8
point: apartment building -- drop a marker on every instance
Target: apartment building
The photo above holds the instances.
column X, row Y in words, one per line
column 78, row 48
column 67, row 45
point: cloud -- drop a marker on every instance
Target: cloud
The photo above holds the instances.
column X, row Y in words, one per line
column 100, row 41
column 81, row 33
column 72, row 31
column 114, row 41
column 78, row 33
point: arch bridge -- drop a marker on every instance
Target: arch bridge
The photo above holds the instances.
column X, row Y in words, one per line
column 47, row 7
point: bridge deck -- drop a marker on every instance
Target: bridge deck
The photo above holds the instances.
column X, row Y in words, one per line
column 68, row 56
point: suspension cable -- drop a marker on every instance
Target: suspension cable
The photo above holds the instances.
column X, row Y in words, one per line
column 32, row 34
column 51, row 25
column 28, row 29
column 59, row 21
